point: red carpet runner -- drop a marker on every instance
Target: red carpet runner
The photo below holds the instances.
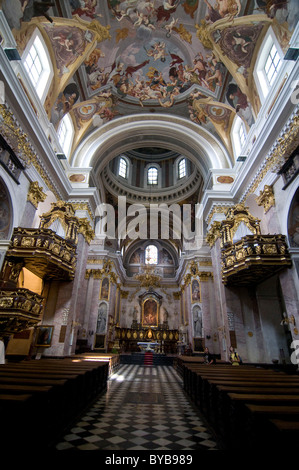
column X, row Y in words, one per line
column 148, row 359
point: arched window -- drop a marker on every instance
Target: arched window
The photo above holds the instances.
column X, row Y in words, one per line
column 152, row 175
column 151, row 254
column 182, row 168
column 65, row 134
column 123, row 168
column 38, row 64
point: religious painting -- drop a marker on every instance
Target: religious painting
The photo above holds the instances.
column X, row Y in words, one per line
column 198, row 344
column 150, row 312
column 195, row 291
column 86, row 9
column 44, row 336
column 68, row 43
column 105, row 289
column 65, row 101
column 136, row 257
column 238, row 100
column 166, row 257
column 99, row 342
column 102, row 318
column 238, row 43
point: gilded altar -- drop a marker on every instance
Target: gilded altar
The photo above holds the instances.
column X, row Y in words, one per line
column 129, row 337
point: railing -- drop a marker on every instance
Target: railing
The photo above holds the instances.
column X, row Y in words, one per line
column 19, row 309
column 44, row 253
column 254, row 258
column 141, row 195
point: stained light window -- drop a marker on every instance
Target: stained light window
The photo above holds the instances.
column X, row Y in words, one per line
column 152, row 175
column 151, row 254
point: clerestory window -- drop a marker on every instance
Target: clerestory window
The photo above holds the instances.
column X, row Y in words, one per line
column 38, row 65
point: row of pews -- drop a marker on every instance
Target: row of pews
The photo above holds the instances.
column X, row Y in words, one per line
column 248, row 406
column 40, row 398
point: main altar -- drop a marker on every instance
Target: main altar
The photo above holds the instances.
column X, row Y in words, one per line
column 164, row 340
column 150, row 329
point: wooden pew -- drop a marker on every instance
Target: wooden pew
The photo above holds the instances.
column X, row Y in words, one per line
column 218, row 407
column 259, row 425
column 59, row 389
column 215, row 388
column 285, row 432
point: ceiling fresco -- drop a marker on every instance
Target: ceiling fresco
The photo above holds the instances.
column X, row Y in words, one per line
column 191, row 58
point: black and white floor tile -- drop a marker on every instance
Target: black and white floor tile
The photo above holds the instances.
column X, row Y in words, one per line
column 144, row 408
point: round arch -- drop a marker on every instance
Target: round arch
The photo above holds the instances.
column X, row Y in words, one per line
column 169, row 132
column 142, row 244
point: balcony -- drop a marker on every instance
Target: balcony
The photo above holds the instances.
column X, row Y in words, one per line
column 19, row 309
column 44, row 253
column 254, row 258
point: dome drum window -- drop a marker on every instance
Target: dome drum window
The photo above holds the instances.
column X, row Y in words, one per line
column 152, row 176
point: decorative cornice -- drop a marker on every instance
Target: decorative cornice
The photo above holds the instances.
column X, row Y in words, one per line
column 20, row 143
column 83, row 206
column 284, row 146
column 219, row 209
column 105, row 271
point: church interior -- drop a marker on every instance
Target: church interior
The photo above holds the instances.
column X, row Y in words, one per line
column 149, row 214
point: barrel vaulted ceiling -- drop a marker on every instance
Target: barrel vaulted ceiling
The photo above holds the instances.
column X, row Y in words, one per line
column 190, row 59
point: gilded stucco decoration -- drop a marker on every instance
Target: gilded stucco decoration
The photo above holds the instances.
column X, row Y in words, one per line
column 72, row 225
column 214, row 233
column 107, row 270
column 20, row 143
column 266, row 198
column 35, row 194
column 235, row 216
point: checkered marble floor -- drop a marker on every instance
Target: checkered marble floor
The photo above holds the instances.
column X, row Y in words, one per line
column 144, row 408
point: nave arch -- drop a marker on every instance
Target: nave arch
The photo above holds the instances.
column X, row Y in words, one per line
column 169, row 132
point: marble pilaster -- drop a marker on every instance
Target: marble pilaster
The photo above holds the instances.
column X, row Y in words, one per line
column 69, row 299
